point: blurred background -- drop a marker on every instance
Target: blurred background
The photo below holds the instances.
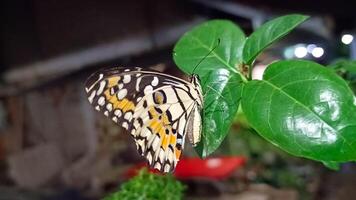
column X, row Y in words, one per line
column 53, row 145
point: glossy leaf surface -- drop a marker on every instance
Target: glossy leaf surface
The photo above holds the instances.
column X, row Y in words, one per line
column 269, row 33
column 305, row 109
column 222, row 96
column 195, row 47
column 214, row 49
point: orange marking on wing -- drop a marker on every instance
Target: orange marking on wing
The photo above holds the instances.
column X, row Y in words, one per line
column 113, row 81
column 155, row 125
column 165, row 119
column 153, row 112
column 173, row 140
column 177, row 152
column 125, row 105
column 107, row 94
column 128, row 106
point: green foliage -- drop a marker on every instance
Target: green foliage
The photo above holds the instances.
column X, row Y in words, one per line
column 222, row 97
column 306, row 110
column 269, row 33
column 148, row 186
column 344, row 66
column 221, row 81
column 347, row 70
column 299, row 106
column 195, row 45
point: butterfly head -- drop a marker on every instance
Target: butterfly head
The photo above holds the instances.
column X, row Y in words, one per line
column 195, row 81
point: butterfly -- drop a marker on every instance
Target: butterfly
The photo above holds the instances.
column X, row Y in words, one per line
column 158, row 110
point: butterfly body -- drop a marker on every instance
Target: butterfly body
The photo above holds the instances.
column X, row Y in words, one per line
column 157, row 109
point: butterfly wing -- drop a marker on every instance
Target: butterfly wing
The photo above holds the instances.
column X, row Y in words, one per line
column 152, row 106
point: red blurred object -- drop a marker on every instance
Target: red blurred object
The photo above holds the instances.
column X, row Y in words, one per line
column 212, row 168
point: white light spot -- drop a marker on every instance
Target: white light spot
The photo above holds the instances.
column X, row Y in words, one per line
column 300, row 52
column 127, row 79
column 318, row 52
column 126, row 70
column 148, row 89
column 118, row 113
column 101, row 101
column 213, row 163
column 122, row 94
column 154, row 81
column 128, row 116
column 125, row 125
column 138, row 74
column 347, row 38
column 311, row 47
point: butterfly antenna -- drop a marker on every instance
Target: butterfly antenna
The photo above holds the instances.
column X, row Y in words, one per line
column 207, row 55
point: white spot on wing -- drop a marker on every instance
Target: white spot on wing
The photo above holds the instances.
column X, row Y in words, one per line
column 141, row 143
column 122, row 94
column 97, row 108
column 91, row 97
column 114, row 119
column 138, row 99
column 120, row 86
column 125, row 125
column 127, row 79
column 101, row 88
column 167, row 168
column 161, row 155
column 101, row 101
column 128, row 116
column 154, row 81
column 148, row 89
column 133, row 132
column 106, row 113
column 109, row 107
column 157, row 166
column 155, row 143
column 138, row 84
column 118, row 113
column 149, row 158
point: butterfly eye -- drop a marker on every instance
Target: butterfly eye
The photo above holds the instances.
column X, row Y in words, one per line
column 159, row 97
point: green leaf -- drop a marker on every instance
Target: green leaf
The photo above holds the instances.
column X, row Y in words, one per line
column 214, row 48
column 222, row 97
column 195, row 47
column 332, row 165
column 269, row 33
column 348, row 66
column 305, row 109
